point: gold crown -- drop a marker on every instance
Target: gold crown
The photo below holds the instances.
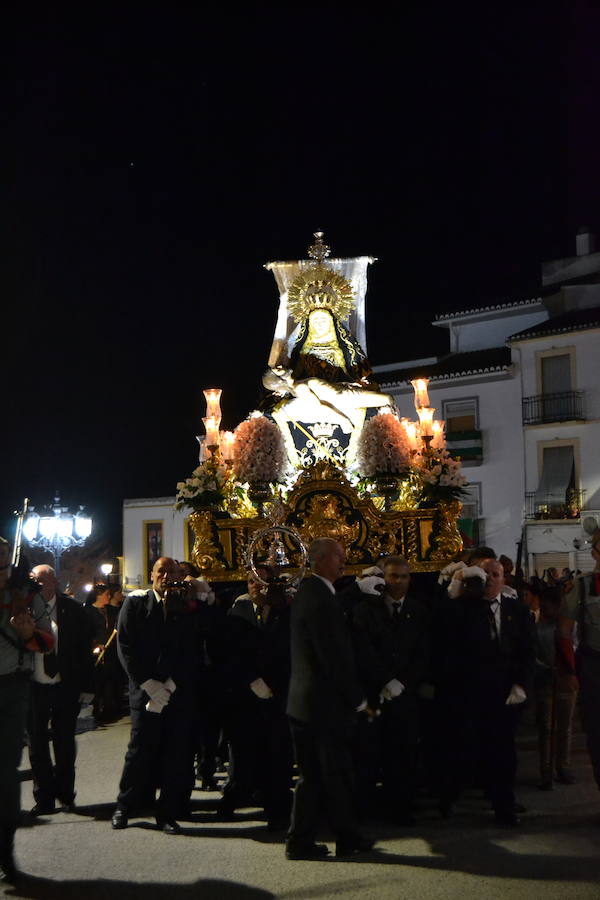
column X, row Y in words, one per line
column 319, row 287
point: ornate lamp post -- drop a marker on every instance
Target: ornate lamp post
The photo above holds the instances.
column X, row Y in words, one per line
column 57, row 532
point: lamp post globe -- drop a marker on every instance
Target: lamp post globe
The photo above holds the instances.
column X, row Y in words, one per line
column 57, row 530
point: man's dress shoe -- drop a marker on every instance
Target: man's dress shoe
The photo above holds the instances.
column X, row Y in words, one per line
column 119, row 819
column 306, row 851
column 169, row 827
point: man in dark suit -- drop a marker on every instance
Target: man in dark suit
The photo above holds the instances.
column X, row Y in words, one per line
column 59, row 680
column 323, row 699
column 391, row 634
column 255, row 682
column 159, row 645
column 492, row 652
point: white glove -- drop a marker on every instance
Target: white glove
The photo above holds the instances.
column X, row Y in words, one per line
column 371, row 584
column 261, row 689
column 449, row 570
column 392, row 689
column 161, row 696
column 156, row 706
column 157, row 690
column 361, row 706
column 85, row 699
column 517, row 695
column 202, row 589
column 474, row 572
column 456, row 586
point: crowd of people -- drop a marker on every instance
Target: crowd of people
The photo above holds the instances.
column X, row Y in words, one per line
column 343, row 698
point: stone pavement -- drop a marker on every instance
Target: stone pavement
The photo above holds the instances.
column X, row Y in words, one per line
column 554, row 855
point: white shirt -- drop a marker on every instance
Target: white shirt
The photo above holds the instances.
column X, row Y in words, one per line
column 39, row 673
column 325, row 581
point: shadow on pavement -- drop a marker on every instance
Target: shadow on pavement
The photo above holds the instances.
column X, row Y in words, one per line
column 203, row 889
column 481, row 853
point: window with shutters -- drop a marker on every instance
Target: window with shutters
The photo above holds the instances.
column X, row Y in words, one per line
column 557, row 399
column 558, row 495
column 461, row 415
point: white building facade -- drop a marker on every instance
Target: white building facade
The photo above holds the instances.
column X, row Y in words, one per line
column 520, row 394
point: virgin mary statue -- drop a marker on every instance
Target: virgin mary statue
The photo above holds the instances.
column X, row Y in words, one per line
column 320, row 381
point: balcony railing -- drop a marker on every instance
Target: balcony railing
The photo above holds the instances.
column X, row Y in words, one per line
column 537, row 507
column 564, row 407
column 465, row 445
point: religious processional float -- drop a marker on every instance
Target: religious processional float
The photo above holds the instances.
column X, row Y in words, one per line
column 327, row 454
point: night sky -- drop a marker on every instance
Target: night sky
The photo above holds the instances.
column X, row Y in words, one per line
column 161, row 157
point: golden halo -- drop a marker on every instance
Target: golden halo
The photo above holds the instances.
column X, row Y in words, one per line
column 319, row 287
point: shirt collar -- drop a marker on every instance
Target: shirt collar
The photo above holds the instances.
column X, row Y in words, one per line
column 392, row 603
column 326, row 581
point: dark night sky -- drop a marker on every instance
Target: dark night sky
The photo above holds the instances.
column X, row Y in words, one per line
column 160, row 160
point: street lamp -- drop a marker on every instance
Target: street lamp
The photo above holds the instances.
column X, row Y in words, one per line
column 57, row 532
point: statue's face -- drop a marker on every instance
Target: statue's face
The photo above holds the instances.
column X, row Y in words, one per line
column 321, row 323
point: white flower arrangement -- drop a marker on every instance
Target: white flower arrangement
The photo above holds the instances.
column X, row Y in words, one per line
column 205, row 486
column 258, row 451
column 441, row 475
column 382, row 447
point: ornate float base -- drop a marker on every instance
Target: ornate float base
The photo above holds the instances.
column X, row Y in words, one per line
column 324, row 504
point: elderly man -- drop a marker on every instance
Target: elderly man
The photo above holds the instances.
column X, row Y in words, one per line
column 24, row 633
column 59, row 680
column 160, row 649
column 391, row 633
column 581, row 607
column 492, row 649
column 323, row 699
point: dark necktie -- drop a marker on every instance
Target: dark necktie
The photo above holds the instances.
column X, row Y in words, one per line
column 396, row 607
column 493, row 606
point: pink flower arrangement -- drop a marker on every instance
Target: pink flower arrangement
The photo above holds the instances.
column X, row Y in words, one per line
column 258, row 451
column 383, row 447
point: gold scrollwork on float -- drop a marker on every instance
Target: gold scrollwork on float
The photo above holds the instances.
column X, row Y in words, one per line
column 446, row 539
column 206, row 554
column 327, row 515
column 323, row 503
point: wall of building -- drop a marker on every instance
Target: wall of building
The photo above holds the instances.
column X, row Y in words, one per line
column 137, row 516
column 585, row 346
column 587, row 368
column 492, row 329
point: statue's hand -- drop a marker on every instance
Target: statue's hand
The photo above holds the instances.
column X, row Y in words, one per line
column 279, row 380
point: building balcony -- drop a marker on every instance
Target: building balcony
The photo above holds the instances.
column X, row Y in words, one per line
column 537, row 507
column 466, row 446
column 567, row 406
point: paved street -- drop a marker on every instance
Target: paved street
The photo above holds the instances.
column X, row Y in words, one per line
column 555, row 855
